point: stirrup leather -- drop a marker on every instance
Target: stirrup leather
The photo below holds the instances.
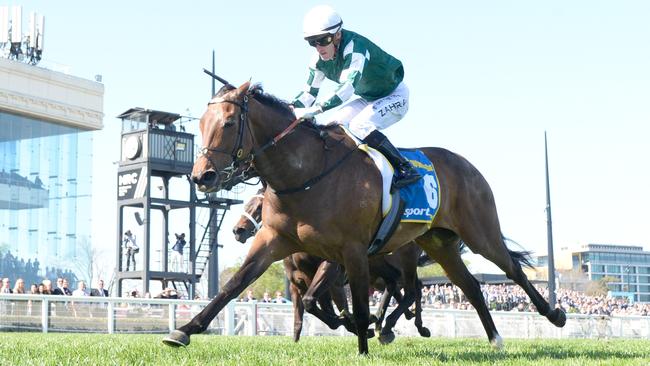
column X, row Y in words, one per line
column 388, row 225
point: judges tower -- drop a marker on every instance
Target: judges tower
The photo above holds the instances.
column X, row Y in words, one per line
column 155, row 150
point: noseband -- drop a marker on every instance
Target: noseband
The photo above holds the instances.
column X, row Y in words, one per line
column 237, row 153
column 250, row 217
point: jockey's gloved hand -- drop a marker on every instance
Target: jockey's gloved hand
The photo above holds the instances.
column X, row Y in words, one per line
column 309, row 112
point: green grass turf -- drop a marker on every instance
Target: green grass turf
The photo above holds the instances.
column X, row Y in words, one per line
column 120, row 349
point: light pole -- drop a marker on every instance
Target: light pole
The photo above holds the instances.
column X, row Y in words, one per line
column 549, row 235
column 627, row 271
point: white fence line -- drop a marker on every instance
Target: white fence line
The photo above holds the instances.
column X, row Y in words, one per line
column 48, row 313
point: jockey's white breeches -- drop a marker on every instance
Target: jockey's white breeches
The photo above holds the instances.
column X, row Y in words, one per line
column 362, row 117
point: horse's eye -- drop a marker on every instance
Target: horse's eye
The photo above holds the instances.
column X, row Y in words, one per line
column 229, row 123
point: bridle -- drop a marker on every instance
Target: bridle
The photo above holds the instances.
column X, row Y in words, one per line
column 250, row 217
column 237, row 153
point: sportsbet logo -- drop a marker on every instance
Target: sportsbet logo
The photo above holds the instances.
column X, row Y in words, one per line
column 417, row 211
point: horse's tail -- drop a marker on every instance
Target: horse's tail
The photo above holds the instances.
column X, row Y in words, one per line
column 523, row 257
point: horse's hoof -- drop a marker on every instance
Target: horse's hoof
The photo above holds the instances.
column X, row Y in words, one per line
column 557, row 317
column 177, row 338
column 373, row 319
column 370, row 333
column 497, row 343
column 408, row 315
column 386, row 338
column 425, row 332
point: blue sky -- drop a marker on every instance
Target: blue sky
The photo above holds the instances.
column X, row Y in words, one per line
column 487, row 78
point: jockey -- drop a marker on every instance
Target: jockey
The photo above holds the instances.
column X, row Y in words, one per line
column 371, row 94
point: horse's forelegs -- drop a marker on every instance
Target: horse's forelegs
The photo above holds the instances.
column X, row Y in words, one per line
column 262, row 254
column 424, row 331
column 387, row 335
column 298, row 312
column 397, row 295
column 390, row 291
column 325, row 276
column 337, row 294
column 356, row 266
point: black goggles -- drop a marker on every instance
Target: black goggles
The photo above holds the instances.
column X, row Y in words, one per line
column 322, row 41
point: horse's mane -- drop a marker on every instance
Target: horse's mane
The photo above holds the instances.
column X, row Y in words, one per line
column 261, row 96
column 271, row 101
column 257, row 91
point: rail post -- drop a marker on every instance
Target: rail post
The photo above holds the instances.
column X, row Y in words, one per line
column 45, row 316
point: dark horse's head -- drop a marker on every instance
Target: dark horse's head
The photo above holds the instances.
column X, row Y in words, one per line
column 226, row 155
column 223, row 134
column 251, row 220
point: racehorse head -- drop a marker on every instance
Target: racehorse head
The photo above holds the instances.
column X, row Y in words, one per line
column 251, row 220
column 222, row 129
column 238, row 126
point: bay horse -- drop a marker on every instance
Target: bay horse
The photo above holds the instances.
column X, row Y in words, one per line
column 324, row 198
column 388, row 274
column 300, row 269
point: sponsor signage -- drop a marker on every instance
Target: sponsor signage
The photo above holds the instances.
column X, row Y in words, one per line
column 131, row 184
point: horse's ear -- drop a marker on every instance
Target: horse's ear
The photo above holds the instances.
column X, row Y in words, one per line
column 243, row 89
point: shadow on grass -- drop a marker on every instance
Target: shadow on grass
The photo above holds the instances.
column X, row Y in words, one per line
column 528, row 352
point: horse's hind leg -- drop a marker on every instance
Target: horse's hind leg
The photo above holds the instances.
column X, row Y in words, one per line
column 490, row 244
column 424, row 331
column 448, row 256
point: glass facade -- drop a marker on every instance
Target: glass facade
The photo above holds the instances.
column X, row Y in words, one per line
column 45, row 198
column 630, row 268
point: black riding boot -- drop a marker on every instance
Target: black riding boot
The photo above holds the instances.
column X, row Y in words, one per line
column 405, row 174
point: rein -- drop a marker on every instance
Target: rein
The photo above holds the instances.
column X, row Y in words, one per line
column 238, row 151
column 312, row 181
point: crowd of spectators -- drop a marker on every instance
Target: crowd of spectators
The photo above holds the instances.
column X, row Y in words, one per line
column 513, row 298
column 266, row 297
column 45, row 287
column 497, row 297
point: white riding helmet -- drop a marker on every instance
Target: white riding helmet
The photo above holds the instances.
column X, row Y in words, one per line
column 321, row 20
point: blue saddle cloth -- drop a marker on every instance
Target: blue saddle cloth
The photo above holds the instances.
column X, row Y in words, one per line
column 422, row 198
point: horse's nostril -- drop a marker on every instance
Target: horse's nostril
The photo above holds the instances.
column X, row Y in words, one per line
column 209, row 177
column 237, row 230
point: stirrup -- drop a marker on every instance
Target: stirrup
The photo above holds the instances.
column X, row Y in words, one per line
column 410, row 177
